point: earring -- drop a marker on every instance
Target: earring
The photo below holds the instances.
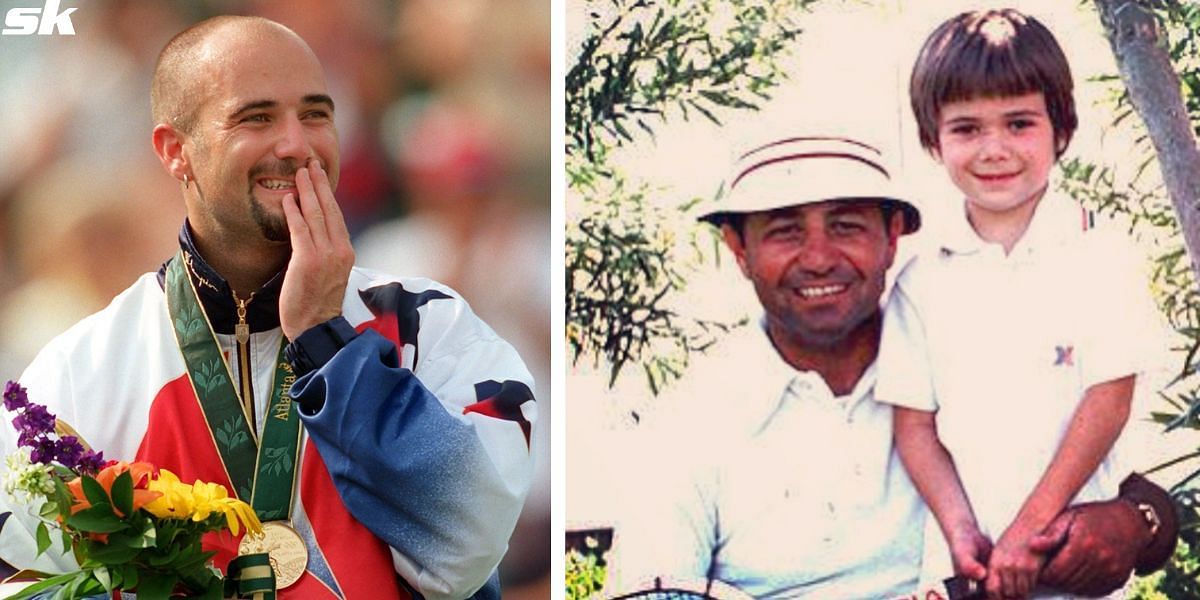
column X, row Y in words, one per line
column 185, row 181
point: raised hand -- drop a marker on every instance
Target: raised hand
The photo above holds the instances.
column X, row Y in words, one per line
column 315, row 282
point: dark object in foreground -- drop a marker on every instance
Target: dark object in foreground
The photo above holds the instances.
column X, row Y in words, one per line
column 962, row 588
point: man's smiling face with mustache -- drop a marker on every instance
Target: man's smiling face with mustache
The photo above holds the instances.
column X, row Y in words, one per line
column 264, row 113
column 818, row 269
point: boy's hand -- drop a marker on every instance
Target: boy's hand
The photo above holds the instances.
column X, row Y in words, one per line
column 1014, row 566
column 969, row 551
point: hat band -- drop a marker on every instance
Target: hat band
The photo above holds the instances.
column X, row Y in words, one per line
column 788, row 157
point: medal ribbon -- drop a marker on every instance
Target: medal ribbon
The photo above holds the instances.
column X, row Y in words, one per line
column 250, row 576
column 263, row 472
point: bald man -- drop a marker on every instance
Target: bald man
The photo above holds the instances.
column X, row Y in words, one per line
column 379, row 429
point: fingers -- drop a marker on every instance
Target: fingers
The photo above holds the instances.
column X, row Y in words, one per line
column 972, row 569
column 1054, row 536
column 297, row 228
column 992, row 585
column 329, row 205
column 310, row 207
column 1073, row 575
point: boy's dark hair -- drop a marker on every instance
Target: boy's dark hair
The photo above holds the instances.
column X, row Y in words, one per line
column 990, row 54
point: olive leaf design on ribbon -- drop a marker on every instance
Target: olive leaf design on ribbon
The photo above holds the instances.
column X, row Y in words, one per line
column 231, row 436
column 271, row 515
column 209, row 375
column 277, row 461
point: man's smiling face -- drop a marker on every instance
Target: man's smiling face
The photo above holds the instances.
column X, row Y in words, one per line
column 265, row 113
column 818, row 269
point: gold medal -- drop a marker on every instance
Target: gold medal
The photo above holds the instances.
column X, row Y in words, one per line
column 289, row 556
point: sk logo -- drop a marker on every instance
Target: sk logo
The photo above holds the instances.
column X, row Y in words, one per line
column 1064, row 356
column 42, row 21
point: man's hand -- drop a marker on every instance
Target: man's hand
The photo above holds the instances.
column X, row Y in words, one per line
column 1097, row 547
column 315, row 282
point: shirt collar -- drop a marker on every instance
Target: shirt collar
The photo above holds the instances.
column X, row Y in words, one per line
column 783, row 383
column 1057, row 220
column 262, row 313
column 1054, row 218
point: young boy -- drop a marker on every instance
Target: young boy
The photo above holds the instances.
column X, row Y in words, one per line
column 1011, row 352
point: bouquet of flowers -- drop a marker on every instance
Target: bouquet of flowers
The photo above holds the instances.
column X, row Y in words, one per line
column 131, row 526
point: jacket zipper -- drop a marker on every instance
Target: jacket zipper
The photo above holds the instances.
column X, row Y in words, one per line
column 245, row 374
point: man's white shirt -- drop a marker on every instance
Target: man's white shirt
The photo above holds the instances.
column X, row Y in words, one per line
column 766, row 481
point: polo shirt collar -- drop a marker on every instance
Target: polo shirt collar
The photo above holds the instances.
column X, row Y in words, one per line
column 1058, row 217
column 1055, row 216
column 781, row 383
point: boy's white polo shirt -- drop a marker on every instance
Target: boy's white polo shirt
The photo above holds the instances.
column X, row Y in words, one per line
column 782, row 488
column 1003, row 348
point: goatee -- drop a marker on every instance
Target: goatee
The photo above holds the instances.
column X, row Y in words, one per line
column 273, row 227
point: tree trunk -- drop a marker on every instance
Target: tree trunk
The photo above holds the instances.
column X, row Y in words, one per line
column 1154, row 89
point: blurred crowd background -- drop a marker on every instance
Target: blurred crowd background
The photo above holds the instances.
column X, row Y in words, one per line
column 443, row 116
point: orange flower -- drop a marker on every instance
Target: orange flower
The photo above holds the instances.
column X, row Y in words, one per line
column 141, row 473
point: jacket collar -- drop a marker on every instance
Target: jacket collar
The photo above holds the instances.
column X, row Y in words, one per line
column 262, row 313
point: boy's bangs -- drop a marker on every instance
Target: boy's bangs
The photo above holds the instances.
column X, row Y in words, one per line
column 985, row 70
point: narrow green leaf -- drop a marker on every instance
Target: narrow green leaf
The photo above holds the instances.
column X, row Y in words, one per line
column 43, row 585
column 43, row 538
column 103, row 578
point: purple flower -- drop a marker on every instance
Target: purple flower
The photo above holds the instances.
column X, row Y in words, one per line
column 44, row 451
column 90, row 462
column 35, row 430
column 26, row 439
column 35, row 419
column 15, row 396
column 69, row 451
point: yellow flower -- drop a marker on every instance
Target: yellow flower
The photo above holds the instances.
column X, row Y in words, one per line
column 198, row 501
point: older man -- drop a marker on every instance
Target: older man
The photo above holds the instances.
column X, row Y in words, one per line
column 413, row 460
column 791, row 486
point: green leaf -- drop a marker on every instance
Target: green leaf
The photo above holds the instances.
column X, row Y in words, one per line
column 97, row 519
column 129, row 576
column 43, row 585
column 93, row 491
column 112, row 554
column 49, row 510
column 122, row 493
column 160, row 559
column 156, row 586
column 103, row 578
column 43, row 538
column 146, row 538
column 62, row 497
